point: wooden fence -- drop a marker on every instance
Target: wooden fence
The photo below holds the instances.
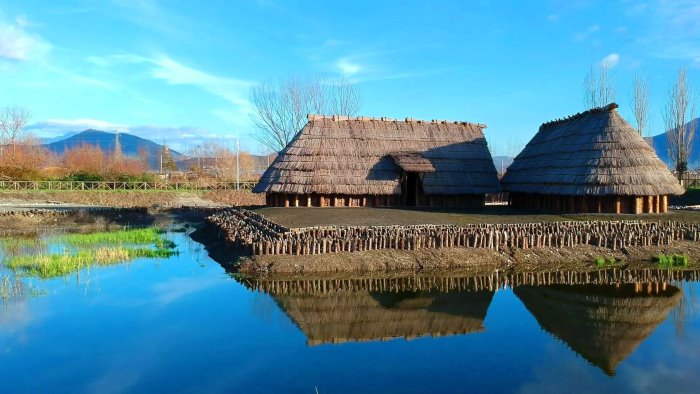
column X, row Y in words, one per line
column 691, row 180
column 105, row 185
column 250, row 233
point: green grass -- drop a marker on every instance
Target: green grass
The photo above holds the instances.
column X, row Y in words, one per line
column 92, row 249
column 141, row 236
column 54, row 265
column 671, row 261
column 603, row 262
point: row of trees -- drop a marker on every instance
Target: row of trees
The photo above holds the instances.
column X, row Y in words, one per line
column 23, row 157
column 678, row 112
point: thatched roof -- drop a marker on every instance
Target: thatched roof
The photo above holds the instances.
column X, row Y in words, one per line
column 340, row 155
column 412, row 162
column 602, row 323
column 593, row 153
column 348, row 316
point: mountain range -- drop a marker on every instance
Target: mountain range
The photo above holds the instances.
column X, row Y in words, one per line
column 131, row 145
column 660, row 145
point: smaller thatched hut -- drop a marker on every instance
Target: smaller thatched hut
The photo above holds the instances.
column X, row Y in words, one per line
column 592, row 162
column 337, row 161
column 358, row 316
column 602, row 323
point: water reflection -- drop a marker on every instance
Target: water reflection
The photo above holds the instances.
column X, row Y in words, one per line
column 602, row 323
column 346, row 315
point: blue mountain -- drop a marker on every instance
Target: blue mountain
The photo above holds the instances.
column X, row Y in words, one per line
column 131, row 145
column 660, row 145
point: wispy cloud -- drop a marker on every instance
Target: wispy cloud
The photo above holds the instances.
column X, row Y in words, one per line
column 60, row 126
column 178, row 137
column 671, row 29
column 347, row 68
column 166, row 69
column 610, row 61
column 19, row 44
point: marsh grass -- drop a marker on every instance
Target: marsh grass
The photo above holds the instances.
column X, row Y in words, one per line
column 53, row 265
column 139, row 236
column 603, row 262
column 12, row 288
column 671, row 261
column 83, row 251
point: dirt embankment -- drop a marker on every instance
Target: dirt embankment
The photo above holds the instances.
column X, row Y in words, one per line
column 458, row 259
column 34, row 221
column 131, row 199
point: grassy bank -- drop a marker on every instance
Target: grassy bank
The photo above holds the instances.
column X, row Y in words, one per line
column 83, row 251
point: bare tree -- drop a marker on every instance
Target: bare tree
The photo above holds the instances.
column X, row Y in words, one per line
column 12, row 122
column 680, row 129
column 598, row 86
column 281, row 108
column 640, row 101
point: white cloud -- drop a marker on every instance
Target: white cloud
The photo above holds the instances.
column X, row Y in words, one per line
column 61, row 126
column 610, row 61
column 552, row 17
column 346, row 67
column 17, row 44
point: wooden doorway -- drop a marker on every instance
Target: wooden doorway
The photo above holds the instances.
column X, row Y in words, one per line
column 410, row 189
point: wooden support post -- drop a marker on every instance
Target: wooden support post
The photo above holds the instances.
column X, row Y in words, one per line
column 617, row 204
column 286, row 200
column 664, row 204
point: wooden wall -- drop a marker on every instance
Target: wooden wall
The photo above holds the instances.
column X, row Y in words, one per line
column 590, row 204
column 341, row 200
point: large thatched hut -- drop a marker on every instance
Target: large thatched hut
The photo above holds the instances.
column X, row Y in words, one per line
column 602, row 323
column 358, row 316
column 591, row 162
column 360, row 161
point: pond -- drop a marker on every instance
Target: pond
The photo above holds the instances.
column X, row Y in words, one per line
column 179, row 322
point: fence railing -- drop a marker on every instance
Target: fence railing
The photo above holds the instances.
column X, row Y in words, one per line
column 691, row 180
column 105, row 185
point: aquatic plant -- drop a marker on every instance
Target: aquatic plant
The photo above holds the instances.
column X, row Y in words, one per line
column 603, row 262
column 148, row 235
column 86, row 250
column 54, row 265
column 671, row 260
column 12, row 287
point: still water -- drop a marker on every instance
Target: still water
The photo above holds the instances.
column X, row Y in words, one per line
column 182, row 324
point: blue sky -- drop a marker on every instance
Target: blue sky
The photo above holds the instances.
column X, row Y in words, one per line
column 180, row 71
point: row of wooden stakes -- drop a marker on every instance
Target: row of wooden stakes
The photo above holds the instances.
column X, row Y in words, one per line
column 250, row 233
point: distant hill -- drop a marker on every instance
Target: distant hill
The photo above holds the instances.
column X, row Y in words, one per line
column 45, row 141
column 131, row 145
column 660, row 145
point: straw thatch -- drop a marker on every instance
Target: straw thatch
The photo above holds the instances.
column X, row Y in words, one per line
column 602, row 323
column 412, row 162
column 593, row 153
column 353, row 156
column 350, row 316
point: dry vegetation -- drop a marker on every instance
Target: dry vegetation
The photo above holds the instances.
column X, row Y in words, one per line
column 130, row 199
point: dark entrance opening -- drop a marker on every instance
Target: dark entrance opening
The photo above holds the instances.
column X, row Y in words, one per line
column 410, row 189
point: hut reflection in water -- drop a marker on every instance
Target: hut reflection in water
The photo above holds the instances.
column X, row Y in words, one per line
column 348, row 316
column 602, row 315
column 602, row 323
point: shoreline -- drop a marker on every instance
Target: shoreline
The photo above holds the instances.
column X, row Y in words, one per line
column 478, row 260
